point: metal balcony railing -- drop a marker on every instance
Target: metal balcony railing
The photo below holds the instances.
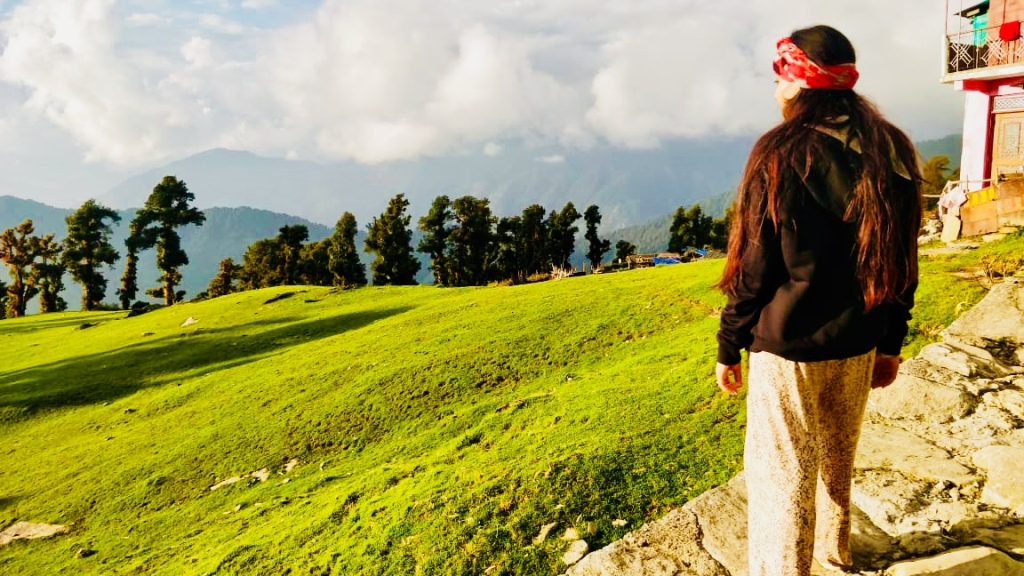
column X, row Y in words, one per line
column 971, row 50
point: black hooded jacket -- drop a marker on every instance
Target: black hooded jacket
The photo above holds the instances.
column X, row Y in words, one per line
column 797, row 295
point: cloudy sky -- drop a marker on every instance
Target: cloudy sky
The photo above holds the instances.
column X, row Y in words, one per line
column 94, row 90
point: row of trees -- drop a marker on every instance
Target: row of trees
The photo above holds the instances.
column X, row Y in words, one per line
column 466, row 243
column 37, row 264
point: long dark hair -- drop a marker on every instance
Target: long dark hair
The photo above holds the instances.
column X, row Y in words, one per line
column 887, row 215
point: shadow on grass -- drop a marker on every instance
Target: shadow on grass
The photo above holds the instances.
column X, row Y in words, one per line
column 108, row 376
column 73, row 320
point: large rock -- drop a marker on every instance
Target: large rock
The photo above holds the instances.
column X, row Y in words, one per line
column 722, row 514
column 888, row 447
column 964, row 359
column 974, row 561
column 998, row 318
column 915, row 398
column 1003, row 468
column 669, row 547
column 890, row 500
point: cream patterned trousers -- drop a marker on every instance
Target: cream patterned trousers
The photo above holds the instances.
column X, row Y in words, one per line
column 803, row 423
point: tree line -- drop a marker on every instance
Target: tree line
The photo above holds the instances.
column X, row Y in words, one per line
column 37, row 264
column 465, row 242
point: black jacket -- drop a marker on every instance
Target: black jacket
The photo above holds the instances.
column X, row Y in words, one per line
column 798, row 296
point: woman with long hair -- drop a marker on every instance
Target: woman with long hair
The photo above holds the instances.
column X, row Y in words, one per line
column 820, row 277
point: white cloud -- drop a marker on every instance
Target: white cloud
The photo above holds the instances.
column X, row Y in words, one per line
column 553, row 159
column 145, row 19
column 493, row 149
column 198, row 51
column 381, row 80
column 258, row 4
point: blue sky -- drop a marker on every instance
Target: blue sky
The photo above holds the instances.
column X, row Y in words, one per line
column 93, row 90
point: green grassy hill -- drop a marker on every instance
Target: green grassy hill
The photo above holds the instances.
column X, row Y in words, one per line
column 435, row 430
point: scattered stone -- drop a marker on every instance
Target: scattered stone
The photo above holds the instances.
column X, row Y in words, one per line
column 285, row 481
column 261, row 475
column 545, row 530
column 30, row 531
column 888, row 447
column 228, row 482
column 976, row 561
column 669, row 547
column 1002, row 465
column 84, row 553
column 291, row 465
column 994, row 237
column 189, row 322
column 577, row 550
column 571, row 534
column 238, row 508
column 619, row 523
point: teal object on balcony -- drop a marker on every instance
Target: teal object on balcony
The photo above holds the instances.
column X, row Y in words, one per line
column 980, row 25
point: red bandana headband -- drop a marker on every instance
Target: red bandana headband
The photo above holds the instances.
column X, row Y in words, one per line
column 793, row 65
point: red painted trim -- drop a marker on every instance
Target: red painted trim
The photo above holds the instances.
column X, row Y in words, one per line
column 989, row 140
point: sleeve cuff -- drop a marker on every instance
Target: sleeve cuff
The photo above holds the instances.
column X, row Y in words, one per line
column 728, row 356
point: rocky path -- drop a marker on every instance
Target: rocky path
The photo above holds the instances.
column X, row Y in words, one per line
column 939, row 487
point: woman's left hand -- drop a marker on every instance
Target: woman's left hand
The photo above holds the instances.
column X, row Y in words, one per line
column 729, row 378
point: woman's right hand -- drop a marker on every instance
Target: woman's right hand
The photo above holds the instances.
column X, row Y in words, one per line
column 886, row 368
column 729, row 378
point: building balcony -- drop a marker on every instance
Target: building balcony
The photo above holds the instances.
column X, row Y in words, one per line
column 979, row 54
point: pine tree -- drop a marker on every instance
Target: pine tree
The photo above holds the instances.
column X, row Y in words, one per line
column 596, row 247
column 472, row 241
column 532, row 243
column 87, row 248
column 47, row 275
column 562, row 232
column 17, row 252
column 130, row 278
column 289, row 241
column 167, row 209
column 344, row 263
column 223, row 283
column 390, row 238
column 506, row 260
column 3, row 300
column 437, row 229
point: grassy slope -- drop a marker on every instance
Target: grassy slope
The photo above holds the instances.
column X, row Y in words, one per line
column 395, row 392
column 389, row 398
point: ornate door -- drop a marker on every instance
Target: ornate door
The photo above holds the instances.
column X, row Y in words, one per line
column 1008, row 146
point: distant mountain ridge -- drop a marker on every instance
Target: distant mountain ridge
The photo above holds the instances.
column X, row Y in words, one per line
column 630, row 186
